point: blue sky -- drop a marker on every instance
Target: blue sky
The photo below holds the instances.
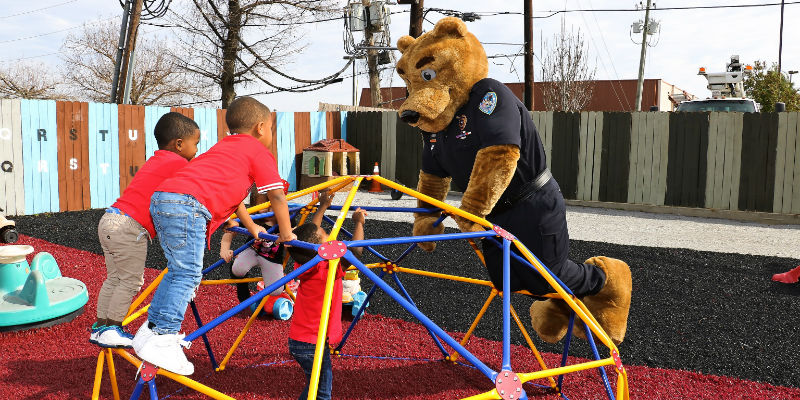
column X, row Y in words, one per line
column 689, row 39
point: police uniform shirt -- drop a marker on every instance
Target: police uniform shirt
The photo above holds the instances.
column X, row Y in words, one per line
column 493, row 115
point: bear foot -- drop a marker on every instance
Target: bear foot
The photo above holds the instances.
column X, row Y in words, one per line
column 550, row 319
column 611, row 305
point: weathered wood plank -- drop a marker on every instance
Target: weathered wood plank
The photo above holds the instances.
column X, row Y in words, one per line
column 711, row 159
column 791, row 164
column 780, row 162
column 12, row 187
column 634, row 159
column 597, row 154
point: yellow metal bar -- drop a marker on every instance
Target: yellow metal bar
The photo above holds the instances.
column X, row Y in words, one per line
column 229, row 281
column 146, row 292
column 623, row 392
column 454, row 355
column 98, row 375
column 345, row 208
column 436, row 203
column 322, row 334
column 531, row 345
column 192, row 384
column 112, row 374
column 300, row 193
column 525, row 377
column 477, row 251
column 593, row 326
column 241, row 335
column 444, row 276
column 492, row 394
column 137, row 314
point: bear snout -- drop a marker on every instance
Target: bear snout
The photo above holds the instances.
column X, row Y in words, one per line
column 409, row 116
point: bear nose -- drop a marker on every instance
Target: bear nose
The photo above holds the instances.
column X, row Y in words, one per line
column 409, row 116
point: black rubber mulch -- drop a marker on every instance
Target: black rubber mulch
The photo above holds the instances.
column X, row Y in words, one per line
column 714, row 313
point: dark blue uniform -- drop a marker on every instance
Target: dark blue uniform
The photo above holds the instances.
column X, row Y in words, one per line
column 494, row 116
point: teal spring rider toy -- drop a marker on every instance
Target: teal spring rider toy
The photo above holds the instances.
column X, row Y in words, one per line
column 36, row 295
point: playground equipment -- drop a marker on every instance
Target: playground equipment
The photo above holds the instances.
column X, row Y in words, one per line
column 279, row 307
column 8, row 230
column 36, row 295
column 507, row 381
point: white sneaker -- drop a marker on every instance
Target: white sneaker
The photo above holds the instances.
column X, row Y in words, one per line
column 114, row 337
column 142, row 335
column 166, row 351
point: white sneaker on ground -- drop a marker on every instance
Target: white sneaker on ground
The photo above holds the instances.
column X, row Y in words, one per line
column 166, row 351
column 142, row 335
column 114, row 337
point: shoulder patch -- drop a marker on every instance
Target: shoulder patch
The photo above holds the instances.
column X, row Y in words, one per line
column 488, row 103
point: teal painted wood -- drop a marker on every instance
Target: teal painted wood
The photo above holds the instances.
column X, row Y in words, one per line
column 319, row 126
column 151, row 116
column 389, row 146
column 343, row 115
column 12, row 185
column 285, row 144
column 39, row 153
column 206, row 119
column 103, row 154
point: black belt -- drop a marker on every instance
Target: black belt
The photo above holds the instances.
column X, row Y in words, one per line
column 526, row 191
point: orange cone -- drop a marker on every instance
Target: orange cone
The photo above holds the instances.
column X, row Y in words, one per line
column 376, row 186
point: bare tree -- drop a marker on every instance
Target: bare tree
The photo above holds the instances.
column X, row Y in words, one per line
column 237, row 42
column 157, row 79
column 30, row 81
column 568, row 79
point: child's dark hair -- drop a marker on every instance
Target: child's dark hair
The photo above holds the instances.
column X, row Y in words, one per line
column 172, row 126
column 244, row 113
column 306, row 233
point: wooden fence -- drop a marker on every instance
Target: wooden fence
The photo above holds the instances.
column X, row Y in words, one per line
column 60, row 156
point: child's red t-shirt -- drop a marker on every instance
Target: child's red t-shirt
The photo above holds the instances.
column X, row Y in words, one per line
column 221, row 177
column 135, row 200
column 308, row 305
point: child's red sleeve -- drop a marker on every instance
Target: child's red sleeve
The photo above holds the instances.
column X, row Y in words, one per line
column 265, row 173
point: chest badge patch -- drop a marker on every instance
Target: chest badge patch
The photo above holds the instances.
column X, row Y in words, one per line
column 462, row 125
column 488, row 103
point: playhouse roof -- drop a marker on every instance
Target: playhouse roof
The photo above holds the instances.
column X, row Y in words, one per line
column 334, row 145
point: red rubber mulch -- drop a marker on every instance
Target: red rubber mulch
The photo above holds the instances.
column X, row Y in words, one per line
column 59, row 363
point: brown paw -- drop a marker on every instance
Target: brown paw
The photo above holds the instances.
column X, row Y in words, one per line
column 550, row 319
column 423, row 225
column 611, row 305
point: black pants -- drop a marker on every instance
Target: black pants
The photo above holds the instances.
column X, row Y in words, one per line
column 540, row 223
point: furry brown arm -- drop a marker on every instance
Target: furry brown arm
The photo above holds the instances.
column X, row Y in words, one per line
column 491, row 173
column 435, row 187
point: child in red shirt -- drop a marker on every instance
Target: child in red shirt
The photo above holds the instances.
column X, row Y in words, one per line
column 304, row 327
column 125, row 227
column 190, row 206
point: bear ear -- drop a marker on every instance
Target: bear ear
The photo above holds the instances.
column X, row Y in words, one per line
column 450, row 26
column 404, row 42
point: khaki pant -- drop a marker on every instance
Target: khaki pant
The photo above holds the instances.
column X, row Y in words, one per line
column 124, row 243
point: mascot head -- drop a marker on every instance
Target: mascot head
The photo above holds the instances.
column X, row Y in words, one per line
column 439, row 68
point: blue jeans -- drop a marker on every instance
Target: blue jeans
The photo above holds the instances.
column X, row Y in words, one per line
column 303, row 353
column 180, row 221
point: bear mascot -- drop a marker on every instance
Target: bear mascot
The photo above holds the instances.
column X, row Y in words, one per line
column 477, row 133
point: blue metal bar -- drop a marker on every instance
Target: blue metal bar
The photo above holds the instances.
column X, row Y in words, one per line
column 205, row 338
column 258, row 216
column 602, row 370
column 153, row 393
column 408, row 296
column 295, row 243
column 483, row 368
column 439, row 221
column 222, row 260
column 256, row 297
column 525, row 262
column 420, row 239
column 350, row 236
column 506, row 305
column 567, row 342
column 359, row 313
column 405, row 253
column 137, row 391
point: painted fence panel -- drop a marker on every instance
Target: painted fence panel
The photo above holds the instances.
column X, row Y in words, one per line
column 614, row 162
column 688, row 146
column 73, row 155
column 647, row 178
column 591, row 129
column 39, row 154
column 206, row 119
column 389, row 146
column 720, row 157
column 285, row 147
column 103, row 154
column 566, row 142
column 131, row 142
column 151, row 116
column 318, row 126
column 795, row 199
column 364, row 132
column 12, row 186
column 787, row 161
column 222, row 127
column 757, row 180
column 408, row 154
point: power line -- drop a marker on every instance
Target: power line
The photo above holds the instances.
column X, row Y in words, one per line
column 54, row 32
column 38, row 9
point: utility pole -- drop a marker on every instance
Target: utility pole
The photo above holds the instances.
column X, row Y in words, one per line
column 528, row 41
column 780, row 41
column 372, row 58
column 133, row 31
column 120, row 47
column 640, row 84
column 415, row 21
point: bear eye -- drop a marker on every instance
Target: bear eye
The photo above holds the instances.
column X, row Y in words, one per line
column 428, row 74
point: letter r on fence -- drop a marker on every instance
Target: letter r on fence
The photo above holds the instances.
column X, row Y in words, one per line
column 41, row 134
